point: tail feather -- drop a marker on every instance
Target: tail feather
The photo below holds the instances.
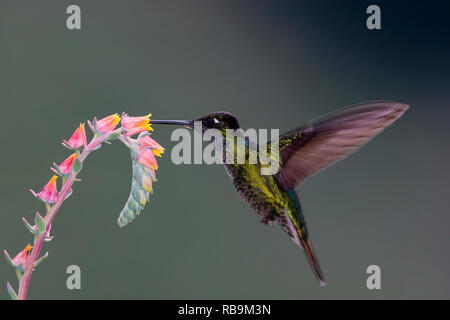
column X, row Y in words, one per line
column 294, row 225
column 313, row 261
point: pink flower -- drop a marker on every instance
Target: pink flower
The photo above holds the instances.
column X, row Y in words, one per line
column 108, row 124
column 50, row 193
column 146, row 141
column 22, row 256
column 134, row 125
column 66, row 166
column 147, row 159
column 78, row 139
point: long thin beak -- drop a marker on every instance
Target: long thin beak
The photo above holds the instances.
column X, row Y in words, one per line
column 187, row 123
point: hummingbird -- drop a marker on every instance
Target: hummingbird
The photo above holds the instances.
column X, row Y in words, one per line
column 303, row 151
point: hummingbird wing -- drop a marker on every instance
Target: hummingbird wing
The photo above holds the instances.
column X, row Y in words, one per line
column 328, row 139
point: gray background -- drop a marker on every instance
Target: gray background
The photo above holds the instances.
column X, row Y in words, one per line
column 274, row 64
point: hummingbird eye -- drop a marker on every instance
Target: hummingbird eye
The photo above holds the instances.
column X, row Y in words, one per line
column 211, row 122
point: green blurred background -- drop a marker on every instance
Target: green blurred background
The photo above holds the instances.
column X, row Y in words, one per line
column 274, row 64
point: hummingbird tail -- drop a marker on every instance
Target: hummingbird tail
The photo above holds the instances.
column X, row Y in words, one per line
column 295, row 226
column 313, row 261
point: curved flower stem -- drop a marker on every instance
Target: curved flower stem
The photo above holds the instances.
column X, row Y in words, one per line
column 39, row 240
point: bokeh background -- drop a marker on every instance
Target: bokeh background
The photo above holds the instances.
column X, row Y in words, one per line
column 274, row 64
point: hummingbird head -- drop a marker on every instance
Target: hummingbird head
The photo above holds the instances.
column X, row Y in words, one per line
column 220, row 120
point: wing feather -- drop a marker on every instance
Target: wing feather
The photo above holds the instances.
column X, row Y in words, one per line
column 328, row 139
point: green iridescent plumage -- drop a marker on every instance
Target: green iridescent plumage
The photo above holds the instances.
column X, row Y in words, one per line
column 302, row 152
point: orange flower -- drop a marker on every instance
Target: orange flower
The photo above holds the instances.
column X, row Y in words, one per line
column 66, row 166
column 108, row 124
column 22, row 256
column 134, row 125
column 146, row 141
column 50, row 193
column 147, row 159
column 78, row 139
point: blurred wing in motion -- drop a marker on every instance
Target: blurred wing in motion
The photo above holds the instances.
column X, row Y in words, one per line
column 328, row 139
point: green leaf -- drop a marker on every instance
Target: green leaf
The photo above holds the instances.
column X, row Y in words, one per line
column 69, row 194
column 138, row 195
column 76, row 166
column 8, row 258
column 40, row 223
column 11, row 292
column 19, row 274
column 41, row 259
column 114, row 136
column 30, row 227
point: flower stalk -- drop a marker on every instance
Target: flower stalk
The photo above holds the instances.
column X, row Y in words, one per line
column 51, row 213
column 104, row 131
